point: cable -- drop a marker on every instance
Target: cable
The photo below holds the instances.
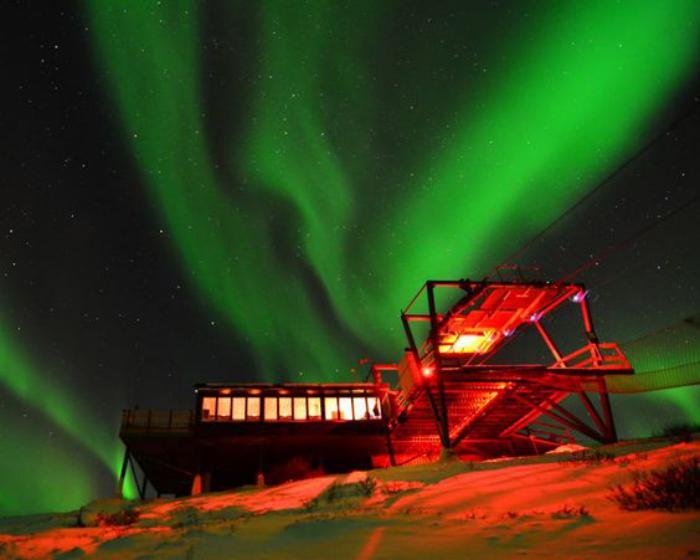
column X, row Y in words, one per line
column 597, row 259
column 654, row 141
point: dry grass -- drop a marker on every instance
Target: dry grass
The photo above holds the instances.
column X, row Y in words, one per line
column 119, row 518
column 674, row 488
column 589, row 457
column 568, row 511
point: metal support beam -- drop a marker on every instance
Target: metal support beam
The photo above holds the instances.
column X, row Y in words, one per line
column 574, row 425
column 411, row 339
column 607, row 410
column 144, row 486
column 572, row 417
column 122, row 473
column 444, row 437
column 136, row 478
column 435, row 342
column 587, row 321
column 592, row 412
column 550, row 343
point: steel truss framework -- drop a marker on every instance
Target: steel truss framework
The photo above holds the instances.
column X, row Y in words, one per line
column 457, row 389
column 472, row 399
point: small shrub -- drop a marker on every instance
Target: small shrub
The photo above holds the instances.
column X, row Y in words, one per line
column 627, row 460
column 185, row 516
column 590, row 457
column 569, row 511
column 332, row 493
column 473, row 515
column 123, row 517
column 674, row 488
column 328, row 496
column 368, row 485
column 339, row 491
column 680, row 432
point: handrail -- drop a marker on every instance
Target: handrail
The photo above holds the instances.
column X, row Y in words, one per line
column 601, row 356
column 156, row 420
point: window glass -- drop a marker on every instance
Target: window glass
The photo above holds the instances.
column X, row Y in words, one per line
column 299, row 408
column 360, row 405
column 345, row 406
column 239, row 408
column 285, row 408
column 271, row 408
column 253, row 408
column 374, row 408
column 314, row 407
column 208, row 408
column 223, row 412
column 331, row 404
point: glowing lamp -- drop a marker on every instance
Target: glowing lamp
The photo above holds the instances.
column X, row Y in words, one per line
column 476, row 342
column 469, row 343
column 578, row 297
column 427, row 371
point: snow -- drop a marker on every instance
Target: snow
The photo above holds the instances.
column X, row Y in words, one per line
column 567, row 448
column 552, row 506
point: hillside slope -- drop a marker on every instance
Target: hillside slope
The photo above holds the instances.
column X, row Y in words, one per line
column 550, row 506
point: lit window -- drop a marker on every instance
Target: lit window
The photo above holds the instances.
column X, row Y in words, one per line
column 253, row 408
column 360, row 405
column 299, row 408
column 285, row 408
column 345, row 407
column 239, row 408
column 223, row 412
column 331, row 404
column 208, row 408
column 315, row 407
column 374, row 408
column 270, row 408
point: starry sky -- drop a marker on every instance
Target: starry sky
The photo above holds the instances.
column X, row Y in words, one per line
column 238, row 191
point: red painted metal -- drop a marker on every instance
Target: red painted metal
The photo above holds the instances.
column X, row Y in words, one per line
column 461, row 351
column 452, row 389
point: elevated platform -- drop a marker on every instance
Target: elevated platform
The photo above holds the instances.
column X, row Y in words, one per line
column 241, row 432
column 458, row 390
column 452, row 392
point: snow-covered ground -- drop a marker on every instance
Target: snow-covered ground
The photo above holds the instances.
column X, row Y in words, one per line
column 554, row 506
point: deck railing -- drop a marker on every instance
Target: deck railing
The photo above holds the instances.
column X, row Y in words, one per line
column 148, row 420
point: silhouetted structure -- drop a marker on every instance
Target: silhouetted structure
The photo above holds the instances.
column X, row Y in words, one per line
column 473, row 381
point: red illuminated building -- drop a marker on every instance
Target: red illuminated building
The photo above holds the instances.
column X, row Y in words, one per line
column 487, row 370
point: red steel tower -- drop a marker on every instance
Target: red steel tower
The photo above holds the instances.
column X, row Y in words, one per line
column 465, row 384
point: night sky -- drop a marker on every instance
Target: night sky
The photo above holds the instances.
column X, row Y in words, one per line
column 240, row 191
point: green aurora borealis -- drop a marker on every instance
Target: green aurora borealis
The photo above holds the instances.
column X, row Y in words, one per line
column 543, row 122
column 350, row 167
column 33, row 384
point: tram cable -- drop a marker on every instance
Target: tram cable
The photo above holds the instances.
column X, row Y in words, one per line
column 590, row 194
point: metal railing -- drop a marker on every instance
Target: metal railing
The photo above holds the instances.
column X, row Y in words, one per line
column 600, row 356
column 148, row 420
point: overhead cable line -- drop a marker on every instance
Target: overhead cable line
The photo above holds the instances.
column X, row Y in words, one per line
column 512, row 258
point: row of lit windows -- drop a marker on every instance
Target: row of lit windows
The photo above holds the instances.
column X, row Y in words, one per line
column 290, row 408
